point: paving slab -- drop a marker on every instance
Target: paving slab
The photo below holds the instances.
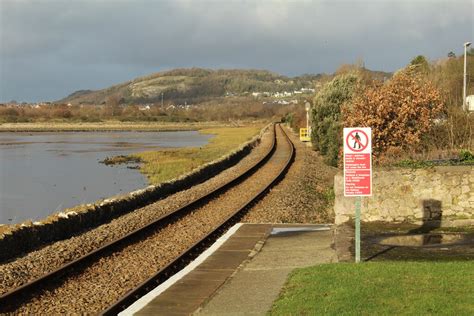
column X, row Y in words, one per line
column 255, row 286
column 187, row 294
column 241, row 277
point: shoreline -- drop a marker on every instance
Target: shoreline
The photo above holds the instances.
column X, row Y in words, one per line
column 116, row 126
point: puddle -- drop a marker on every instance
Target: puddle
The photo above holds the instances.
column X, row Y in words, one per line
column 425, row 240
column 292, row 230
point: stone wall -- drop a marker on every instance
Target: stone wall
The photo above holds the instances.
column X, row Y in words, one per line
column 28, row 236
column 444, row 194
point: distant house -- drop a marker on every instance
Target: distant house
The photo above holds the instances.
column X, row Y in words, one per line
column 470, row 103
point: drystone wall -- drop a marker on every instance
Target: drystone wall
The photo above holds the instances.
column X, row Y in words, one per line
column 31, row 235
column 439, row 194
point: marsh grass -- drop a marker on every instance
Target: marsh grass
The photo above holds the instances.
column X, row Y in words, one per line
column 167, row 164
column 117, row 160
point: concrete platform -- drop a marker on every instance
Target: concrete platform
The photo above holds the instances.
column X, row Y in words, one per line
column 243, row 274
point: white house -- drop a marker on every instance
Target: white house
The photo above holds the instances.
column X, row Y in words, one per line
column 470, row 102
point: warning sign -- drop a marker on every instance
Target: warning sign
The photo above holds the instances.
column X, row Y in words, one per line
column 357, row 161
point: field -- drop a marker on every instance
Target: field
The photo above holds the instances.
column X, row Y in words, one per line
column 382, row 288
column 160, row 166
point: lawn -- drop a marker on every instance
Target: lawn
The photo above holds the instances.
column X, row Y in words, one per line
column 379, row 288
column 163, row 165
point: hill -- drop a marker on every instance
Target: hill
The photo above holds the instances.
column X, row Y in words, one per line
column 192, row 85
column 196, row 84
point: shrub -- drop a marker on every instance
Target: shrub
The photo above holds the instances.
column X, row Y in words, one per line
column 399, row 112
column 466, row 155
column 62, row 113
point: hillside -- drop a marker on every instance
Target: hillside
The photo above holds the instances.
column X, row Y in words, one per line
column 193, row 84
column 197, row 84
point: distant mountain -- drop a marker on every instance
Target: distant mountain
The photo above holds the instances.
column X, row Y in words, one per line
column 195, row 84
column 191, row 84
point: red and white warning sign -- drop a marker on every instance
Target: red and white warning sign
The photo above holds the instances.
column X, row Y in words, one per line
column 358, row 161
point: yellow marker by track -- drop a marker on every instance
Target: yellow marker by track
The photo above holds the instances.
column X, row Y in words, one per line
column 304, row 135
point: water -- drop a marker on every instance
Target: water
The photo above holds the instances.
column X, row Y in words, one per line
column 42, row 173
column 425, row 240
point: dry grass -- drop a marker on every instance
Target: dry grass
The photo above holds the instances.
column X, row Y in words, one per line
column 163, row 165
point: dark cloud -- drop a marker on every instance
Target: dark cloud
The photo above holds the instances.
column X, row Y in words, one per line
column 50, row 48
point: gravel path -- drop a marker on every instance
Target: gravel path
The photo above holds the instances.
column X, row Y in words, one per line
column 305, row 195
column 110, row 277
column 50, row 257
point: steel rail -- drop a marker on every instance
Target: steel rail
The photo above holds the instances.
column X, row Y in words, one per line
column 10, row 300
column 197, row 248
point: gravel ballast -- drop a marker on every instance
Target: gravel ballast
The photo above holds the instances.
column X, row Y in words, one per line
column 46, row 259
column 305, row 195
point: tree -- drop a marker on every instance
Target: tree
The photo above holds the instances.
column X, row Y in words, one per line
column 420, row 64
column 399, row 112
column 326, row 132
column 451, row 55
column 112, row 105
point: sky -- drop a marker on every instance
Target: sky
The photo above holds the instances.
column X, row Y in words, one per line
column 51, row 48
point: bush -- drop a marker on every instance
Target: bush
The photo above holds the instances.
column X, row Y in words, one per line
column 326, row 132
column 62, row 113
column 466, row 155
column 9, row 112
column 399, row 112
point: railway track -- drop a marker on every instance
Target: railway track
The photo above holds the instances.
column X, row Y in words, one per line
column 110, row 278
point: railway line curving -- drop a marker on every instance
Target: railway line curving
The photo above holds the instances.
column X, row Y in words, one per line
column 111, row 277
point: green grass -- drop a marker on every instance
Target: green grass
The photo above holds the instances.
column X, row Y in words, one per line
column 465, row 158
column 160, row 166
column 382, row 288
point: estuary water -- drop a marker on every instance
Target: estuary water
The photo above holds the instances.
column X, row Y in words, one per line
column 43, row 173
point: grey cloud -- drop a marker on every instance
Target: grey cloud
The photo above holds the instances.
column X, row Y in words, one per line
column 50, row 48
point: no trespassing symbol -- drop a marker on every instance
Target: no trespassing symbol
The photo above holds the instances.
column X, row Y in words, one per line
column 357, row 161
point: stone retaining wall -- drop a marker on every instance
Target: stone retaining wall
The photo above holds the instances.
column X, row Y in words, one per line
column 28, row 236
column 443, row 194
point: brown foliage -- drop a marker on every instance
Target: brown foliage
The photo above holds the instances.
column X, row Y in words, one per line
column 399, row 112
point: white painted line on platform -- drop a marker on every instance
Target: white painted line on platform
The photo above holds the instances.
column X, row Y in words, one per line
column 282, row 230
column 145, row 300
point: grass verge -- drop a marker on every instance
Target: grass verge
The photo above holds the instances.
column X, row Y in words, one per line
column 167, row 164
column 382, row 288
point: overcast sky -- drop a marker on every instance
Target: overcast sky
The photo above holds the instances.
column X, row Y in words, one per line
column 50, row 48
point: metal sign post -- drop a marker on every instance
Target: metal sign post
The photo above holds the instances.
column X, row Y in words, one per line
column 357, row 228
column 307, row 107
column 357, row 171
